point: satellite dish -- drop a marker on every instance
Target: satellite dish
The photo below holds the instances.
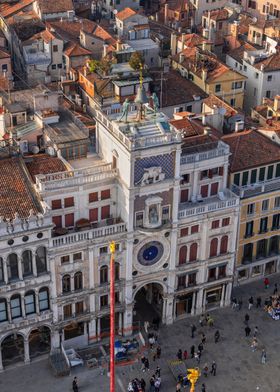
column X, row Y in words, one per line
column 115, row 12
column 35, row 149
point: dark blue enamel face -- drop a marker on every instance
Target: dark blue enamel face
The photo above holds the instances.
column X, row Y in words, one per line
column 150, row 253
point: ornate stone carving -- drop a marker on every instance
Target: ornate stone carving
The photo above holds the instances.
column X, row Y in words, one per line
column 152, row 175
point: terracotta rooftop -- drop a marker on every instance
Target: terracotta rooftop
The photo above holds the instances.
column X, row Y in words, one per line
column 69, row 30
column 47, row 36
column 238, row 53
column 220, row 14
column 272, row 63
column 188, row 127
column 193, row 40
column 55, row 6
column 75, row 50
column 44, row 164
column 196, row 60
column 125, row 13
column 250, row 149
column 7, row 10
column 17, row 195
column 212, row 101
column 176, row 89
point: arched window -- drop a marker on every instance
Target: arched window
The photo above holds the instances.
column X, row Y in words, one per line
column 29, row 301
column 214, row 247
column 41, row 260
column 16, row 306
column 12, row 265
column 104, row 274
column 26, row 263
column 3, row 310
column 44, row 302
column 224, row 245
column 78, row 281
column 66, row 284
column 183, row 255
column 1, row 271
column 117, row 271
column 193, row 252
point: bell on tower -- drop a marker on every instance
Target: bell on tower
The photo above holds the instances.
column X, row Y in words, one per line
column 141, row 97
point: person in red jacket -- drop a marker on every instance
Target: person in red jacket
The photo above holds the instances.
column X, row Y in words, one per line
column 266, row 283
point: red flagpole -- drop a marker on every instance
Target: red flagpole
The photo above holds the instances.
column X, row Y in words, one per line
column 112, row 317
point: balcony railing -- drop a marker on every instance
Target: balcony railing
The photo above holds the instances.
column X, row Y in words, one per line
column 89, row 235
column 256, row 189
column 210, row 204
column 214, row 150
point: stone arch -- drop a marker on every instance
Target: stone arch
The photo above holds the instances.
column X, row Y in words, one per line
column 154, row 281
column 39, row 340
column 12, row 347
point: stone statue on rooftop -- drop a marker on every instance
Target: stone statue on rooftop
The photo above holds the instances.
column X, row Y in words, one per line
column 155, row 102
column 125, row 108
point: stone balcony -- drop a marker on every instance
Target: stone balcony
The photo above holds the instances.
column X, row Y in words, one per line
column 257, row 188
column 204, row 152
column 109, row 227
column 208, row 205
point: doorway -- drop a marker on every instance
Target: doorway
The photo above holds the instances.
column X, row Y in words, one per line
column 148, row 304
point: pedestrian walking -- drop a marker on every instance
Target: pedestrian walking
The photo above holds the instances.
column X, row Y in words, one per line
column 197, row 357
column 158, row 370
column 214, row 368
column 157, row 385
column 247, row 331
column 205, row 370
column 266, row 283
column 75, row 385
column 254, row 344
column 193, row 329
column 130, row 387
column 143, row 384
column 234, row 303
column 143, row 359
column 203, row 339
column 263, row 357
column 185, row 354
column 259, row 302
column 152, row 383
column 240, row 303
column 192, row 350
column 256, row 331
column 200, row 347
column 250, row 303
column 275, row 289
column 246, row 318
column 203, row 388
column 201, row 321
column 180, row 354
column 147, row 365
column 152, row 341
column 178, row 387
column 158, row 352
column 217, row 336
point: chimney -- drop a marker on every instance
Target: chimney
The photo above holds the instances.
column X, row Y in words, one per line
column 234, row 29
column 85, row 71
column 2, row 123
column 183, row 38
column 119, row 45
column 181, row 58
column 173, row 44
column 204, row 46
column 276, row 105
column 105, row 47
column 204, row 74
column 166, row 13
column 203, row 119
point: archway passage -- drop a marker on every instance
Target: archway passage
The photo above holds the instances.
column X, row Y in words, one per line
column 12, row 349
column 39, row 341
column 148, row 304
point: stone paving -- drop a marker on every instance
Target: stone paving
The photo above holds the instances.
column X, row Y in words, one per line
column 238, row 368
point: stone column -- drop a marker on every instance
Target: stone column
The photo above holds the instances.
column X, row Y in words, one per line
column 228, row 294
column 127, row 320
column 9, row 311
column 199, row 302
column 23, row 306
column 169, row 310
column 26, row 351
column 98, row 329
column 55, row 339
column 195, row 185
column 53, row 290
column 37, row 308
column 193, row 311
column 222, row 296
column 5, row 271
column 164, row 305
column 92, row 331
column 20, row 275
column 1, row 363
column 34, row 265
column 91, row 268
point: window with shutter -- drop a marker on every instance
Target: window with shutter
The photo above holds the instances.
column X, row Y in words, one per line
column 204, row 191
column 105, row 212
column 69, row 202
column 183, row 255
column 56, row 204
column 92, row 197
column 214, row 247
column 69, row 220
column 224, row 245
column 105, row 194
column 184, row 195
column 215, row 224
column 193, row 252
column 214, row 188
column 57, row 220
column 93, row 215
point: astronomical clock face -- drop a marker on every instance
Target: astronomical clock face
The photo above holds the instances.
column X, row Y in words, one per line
column 150, row 253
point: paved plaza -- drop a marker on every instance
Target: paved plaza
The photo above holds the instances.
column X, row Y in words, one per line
column 238, row 368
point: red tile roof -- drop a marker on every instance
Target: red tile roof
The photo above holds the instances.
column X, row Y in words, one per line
column 212, row 101
column 125, row 13
column 193, row 40
column 220, row 14
column 75, row 50
column 17, row 195
column 55, row 6
column 9, row 10
column 250, row 149
column 44, row 164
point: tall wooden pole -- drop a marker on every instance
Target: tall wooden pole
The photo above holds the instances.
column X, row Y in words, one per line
column 112, row 317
